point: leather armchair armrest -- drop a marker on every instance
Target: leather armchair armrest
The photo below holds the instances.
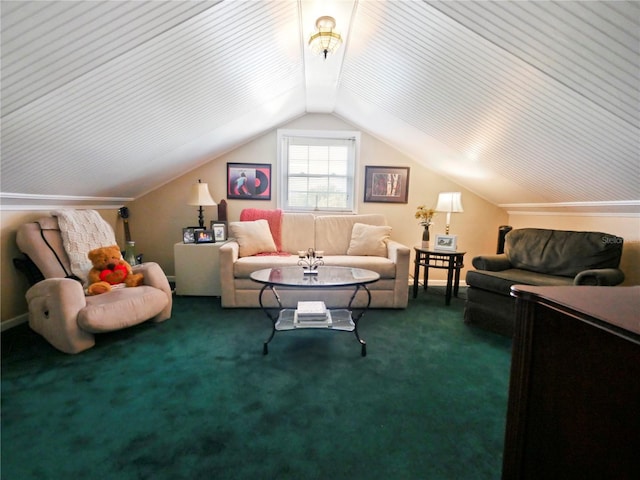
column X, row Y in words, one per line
column 54, row 305
column 606, row 277
column 154, row 276
column 493, row 263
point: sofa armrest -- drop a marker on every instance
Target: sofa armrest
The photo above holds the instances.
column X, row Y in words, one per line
column 229, row 254
column 154, row 276
column 604, row 277
column 493, row 263
column 400, row 255
column 396, row 251
column 54, row 305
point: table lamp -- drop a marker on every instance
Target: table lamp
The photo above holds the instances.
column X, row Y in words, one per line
column 449, row 202
column 200, row 196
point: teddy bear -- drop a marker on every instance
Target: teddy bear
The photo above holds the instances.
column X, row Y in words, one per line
column 109, row 268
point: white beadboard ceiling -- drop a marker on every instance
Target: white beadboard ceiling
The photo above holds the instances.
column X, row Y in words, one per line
column 528, row 104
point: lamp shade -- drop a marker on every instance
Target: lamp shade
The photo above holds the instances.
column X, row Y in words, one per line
column 200, row 195
column 450, row 202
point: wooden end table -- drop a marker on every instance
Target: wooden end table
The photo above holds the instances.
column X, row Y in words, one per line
column 452, row 262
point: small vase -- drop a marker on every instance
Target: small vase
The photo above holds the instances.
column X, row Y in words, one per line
column 425, row 237
column 130, row 253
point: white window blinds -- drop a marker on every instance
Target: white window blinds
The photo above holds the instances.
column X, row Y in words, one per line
column 317, row 173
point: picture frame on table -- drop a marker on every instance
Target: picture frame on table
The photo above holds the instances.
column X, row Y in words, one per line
column 447, row 243
column 219, row 231
column 249, row 181
column 204, row 236
column 386, row 184
column 188, row 235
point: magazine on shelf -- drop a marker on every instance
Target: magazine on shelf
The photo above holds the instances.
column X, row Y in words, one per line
column 311, row 310
column 313, row 321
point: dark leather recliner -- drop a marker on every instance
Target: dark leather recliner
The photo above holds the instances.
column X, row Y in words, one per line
column 539, row 257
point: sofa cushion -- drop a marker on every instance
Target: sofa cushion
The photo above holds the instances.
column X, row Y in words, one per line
column 243, row 267
column 369, row 240
column 253, row 237
column 333, row 232
column 501, row 281
column 385, row 267
column 560, row 252
column 273, row 217
column 298, row 231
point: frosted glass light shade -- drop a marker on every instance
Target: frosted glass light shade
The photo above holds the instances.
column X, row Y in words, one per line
column 325, row 40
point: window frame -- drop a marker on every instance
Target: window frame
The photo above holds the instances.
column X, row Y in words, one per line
column 352, row 168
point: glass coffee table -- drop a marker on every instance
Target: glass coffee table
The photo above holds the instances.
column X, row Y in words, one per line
column 325, row 278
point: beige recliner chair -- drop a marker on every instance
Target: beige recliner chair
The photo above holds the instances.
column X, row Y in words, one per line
column 58, row 307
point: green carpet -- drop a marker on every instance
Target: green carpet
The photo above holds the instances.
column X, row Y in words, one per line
column 194, row 398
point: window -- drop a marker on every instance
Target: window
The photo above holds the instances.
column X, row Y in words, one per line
column 317, row 170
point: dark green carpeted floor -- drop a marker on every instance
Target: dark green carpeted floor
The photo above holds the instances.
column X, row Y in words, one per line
column 194, row 398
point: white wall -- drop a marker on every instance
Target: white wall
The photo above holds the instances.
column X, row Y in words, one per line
column 157, row 218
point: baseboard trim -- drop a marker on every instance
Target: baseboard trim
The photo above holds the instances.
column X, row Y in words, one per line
column 14, row 322
column 436, row 283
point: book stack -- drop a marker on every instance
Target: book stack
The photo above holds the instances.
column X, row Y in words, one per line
column 312, row 314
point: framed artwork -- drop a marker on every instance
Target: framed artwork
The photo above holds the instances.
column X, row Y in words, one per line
column 204, row 236
column 249, row 181
column 219, row 232
column 447, row 243
column 386, row 184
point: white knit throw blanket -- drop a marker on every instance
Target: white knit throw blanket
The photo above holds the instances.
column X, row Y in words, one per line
column 82, row 231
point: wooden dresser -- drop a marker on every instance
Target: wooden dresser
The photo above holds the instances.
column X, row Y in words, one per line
column 574, row 394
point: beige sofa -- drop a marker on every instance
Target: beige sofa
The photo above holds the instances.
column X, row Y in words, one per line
column 331, row 234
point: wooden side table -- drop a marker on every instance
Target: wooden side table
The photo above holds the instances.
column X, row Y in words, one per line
column 452, row 262
column 197, row 268
column 574, row 390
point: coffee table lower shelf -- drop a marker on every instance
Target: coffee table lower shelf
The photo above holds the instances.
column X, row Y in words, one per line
column 327, row 278
column 337, row 320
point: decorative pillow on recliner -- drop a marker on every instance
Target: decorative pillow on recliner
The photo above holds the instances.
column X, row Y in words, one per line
column 369, row 240
column 253, row 237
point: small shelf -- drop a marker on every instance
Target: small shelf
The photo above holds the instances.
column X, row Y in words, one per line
column 339, row 319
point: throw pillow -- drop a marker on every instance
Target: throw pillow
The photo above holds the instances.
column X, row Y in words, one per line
column 369, row 240
column 253, row 237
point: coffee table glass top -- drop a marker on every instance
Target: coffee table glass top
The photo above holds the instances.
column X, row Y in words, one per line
column 326, row 277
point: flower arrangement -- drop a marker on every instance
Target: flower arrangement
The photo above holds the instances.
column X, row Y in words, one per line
column 425, row 215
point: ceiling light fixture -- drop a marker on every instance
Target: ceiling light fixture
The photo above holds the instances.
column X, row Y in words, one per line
column 325, row 40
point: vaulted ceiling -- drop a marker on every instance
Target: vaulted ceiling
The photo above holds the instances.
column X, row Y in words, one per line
column 528, row 104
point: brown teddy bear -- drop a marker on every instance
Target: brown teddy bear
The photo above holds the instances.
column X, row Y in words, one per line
column 109, row 268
